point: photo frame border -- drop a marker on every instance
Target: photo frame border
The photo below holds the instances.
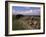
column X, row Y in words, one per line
column 6, row 18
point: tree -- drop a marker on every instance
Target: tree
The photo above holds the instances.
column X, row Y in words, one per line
column 19, row 16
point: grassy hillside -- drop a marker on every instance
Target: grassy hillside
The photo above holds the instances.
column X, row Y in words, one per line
column 25, row 22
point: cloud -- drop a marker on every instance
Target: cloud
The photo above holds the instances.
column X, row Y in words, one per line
column 22, row 12
column 27, row 12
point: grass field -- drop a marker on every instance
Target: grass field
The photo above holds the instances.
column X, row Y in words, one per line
column 25, row 22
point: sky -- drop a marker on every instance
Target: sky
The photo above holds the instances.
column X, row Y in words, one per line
column 25, row 10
